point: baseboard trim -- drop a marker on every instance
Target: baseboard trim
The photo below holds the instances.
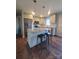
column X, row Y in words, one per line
column 58, row 36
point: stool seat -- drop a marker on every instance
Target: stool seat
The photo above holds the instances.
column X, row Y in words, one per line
column 41, row 35
column 47, row 33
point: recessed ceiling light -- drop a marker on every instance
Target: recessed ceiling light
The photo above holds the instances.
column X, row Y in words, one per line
column 33, row 13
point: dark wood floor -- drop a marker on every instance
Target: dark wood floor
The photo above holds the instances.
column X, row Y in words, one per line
column 53, row 51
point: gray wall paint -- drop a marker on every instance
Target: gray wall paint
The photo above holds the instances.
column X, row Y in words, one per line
column 17, row 25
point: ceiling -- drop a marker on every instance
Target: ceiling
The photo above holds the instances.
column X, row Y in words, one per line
column 28, row 6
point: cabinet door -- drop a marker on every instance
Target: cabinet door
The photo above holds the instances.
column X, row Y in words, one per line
column 33, row 40
column 59, row 27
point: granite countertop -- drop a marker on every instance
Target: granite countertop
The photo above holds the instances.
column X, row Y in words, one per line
column 37, row 29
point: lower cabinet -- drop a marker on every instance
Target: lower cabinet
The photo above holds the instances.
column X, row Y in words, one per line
column 32, row 38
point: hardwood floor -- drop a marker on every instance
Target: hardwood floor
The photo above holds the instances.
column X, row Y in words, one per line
column 53, row 51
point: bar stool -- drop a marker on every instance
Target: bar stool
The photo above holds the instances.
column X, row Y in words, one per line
column 47, row 37
column 41, row 36
column 49, row 34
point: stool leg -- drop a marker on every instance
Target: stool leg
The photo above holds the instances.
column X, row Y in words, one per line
column 37, row 40
column 41, row 46
column 47, row 38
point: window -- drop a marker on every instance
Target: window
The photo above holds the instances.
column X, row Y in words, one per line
column 47, row 21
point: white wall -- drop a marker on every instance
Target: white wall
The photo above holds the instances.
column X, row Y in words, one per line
column 28, row 16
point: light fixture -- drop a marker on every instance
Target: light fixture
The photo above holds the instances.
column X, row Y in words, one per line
column 49, row 12
column 34, row 1
column 42, row 15
column 33, row 13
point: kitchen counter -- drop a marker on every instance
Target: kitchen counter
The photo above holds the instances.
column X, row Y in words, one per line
column 32, row 36
column 37, row 29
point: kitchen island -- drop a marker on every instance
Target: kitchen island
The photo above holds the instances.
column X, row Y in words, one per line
column 32, row 36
